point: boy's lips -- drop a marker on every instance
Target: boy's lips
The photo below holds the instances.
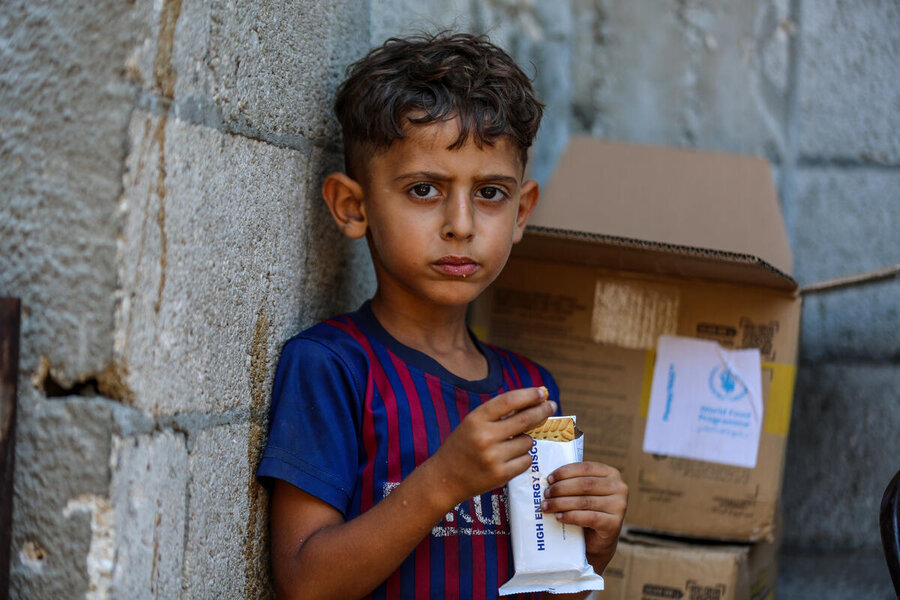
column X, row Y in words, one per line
column 456, row 266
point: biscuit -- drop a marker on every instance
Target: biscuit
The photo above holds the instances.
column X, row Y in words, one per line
column 554, row 429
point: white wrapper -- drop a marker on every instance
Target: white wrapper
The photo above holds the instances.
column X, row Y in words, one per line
column 548, row 555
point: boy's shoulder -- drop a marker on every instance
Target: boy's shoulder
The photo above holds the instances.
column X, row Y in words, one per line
column 339, row 335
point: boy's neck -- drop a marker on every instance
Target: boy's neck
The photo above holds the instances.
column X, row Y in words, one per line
column 439, row 332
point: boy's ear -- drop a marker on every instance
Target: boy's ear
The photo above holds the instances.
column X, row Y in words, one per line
column 528, row 199
column 344, row 197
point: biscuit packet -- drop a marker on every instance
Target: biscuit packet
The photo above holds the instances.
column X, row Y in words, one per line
column 547, row 555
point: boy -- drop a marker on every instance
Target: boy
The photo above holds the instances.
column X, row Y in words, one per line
column 393, row 429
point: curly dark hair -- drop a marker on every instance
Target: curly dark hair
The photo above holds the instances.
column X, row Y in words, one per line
column 431, row 78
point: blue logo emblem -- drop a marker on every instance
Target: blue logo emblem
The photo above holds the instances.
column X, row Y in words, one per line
column 724, row 384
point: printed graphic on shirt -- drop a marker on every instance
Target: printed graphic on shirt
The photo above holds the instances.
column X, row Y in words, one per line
column 472, row 517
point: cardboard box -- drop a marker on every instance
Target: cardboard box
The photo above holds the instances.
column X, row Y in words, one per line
column 650, row 568
column 631, row 242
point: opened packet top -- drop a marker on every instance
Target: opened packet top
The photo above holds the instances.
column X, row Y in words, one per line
column 547, row 555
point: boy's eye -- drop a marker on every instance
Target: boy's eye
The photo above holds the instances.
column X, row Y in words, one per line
column 491, row 192
column 423, row 190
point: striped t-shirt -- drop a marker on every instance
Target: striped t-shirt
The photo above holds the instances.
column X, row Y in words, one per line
column 354, row 411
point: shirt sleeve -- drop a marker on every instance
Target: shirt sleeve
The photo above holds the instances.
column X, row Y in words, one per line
column 314, row 424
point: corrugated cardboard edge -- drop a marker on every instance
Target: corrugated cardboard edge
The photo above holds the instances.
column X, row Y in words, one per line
column 781, row 280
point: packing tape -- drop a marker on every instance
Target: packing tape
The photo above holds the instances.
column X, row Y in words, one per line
column 633, row 314
column 777, row 419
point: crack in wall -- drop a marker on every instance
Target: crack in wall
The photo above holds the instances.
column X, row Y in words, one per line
column 165, row 77
column 160, row 140
column 110, row 383
column 163, row 69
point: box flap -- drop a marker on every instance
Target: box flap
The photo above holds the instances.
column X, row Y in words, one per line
column 668, row 197
column 686, row 262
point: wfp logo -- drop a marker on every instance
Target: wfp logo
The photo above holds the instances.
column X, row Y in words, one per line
column 725, row 385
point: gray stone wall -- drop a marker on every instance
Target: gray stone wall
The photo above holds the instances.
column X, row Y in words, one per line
column 160, row 219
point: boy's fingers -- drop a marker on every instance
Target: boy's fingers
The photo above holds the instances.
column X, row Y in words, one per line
column 602, row 523
column 585, row 469
column 587, row 488
column 518, row 465
column 525, row 419
column 515, row 447
column 511, row 402
column 607, row 505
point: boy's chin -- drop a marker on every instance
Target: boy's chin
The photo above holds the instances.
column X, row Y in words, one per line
column 458, row 298
column 455, row 293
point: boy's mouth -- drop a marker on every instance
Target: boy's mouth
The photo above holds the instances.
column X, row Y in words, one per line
column 456, row 266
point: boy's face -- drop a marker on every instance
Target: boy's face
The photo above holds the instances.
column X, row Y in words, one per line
column 441, row 223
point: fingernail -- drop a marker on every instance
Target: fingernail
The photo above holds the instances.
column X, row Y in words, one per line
column 543, row 392
column 543, row 506
column 559, row 516
column 553, row 405
column 551, row 479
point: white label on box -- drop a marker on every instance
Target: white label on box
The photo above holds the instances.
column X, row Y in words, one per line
column 705, row 402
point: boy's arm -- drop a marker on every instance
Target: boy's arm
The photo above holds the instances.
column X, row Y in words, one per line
column 316, row 554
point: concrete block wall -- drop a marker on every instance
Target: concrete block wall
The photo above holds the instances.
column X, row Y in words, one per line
column 160, row 220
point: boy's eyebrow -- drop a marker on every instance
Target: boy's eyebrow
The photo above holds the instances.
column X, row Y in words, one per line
column 508, row 179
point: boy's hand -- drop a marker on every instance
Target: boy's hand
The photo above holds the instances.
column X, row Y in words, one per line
column 593, row 496
column 488, row 447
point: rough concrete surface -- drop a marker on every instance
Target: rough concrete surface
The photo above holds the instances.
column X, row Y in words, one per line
column 63, row 110
column 829, row 240
column 270, row 68
column 852, row 324
column 835, row 575
column 214, row 563
column 149, row 490
column 212, row 258
column 711, row 75
column 389, row 18
column 843, row 450
column 62, row 468
column 849, row 97
column 211, row 241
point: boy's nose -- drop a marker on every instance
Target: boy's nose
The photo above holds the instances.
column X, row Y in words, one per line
column 459, row 220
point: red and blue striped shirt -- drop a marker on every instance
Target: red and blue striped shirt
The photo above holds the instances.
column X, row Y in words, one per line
column 354, row 411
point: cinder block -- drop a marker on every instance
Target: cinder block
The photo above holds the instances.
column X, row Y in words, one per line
column 270, row 67
column 62, row 460
column 845, row 221
column 834, row 574
column 224, row 245
column 148, row 493
column 842, row 452
column 712, row 75
column 216, row 558
column 402, row 17
column 849, row 96
column 64, row 107
column 852, row 324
